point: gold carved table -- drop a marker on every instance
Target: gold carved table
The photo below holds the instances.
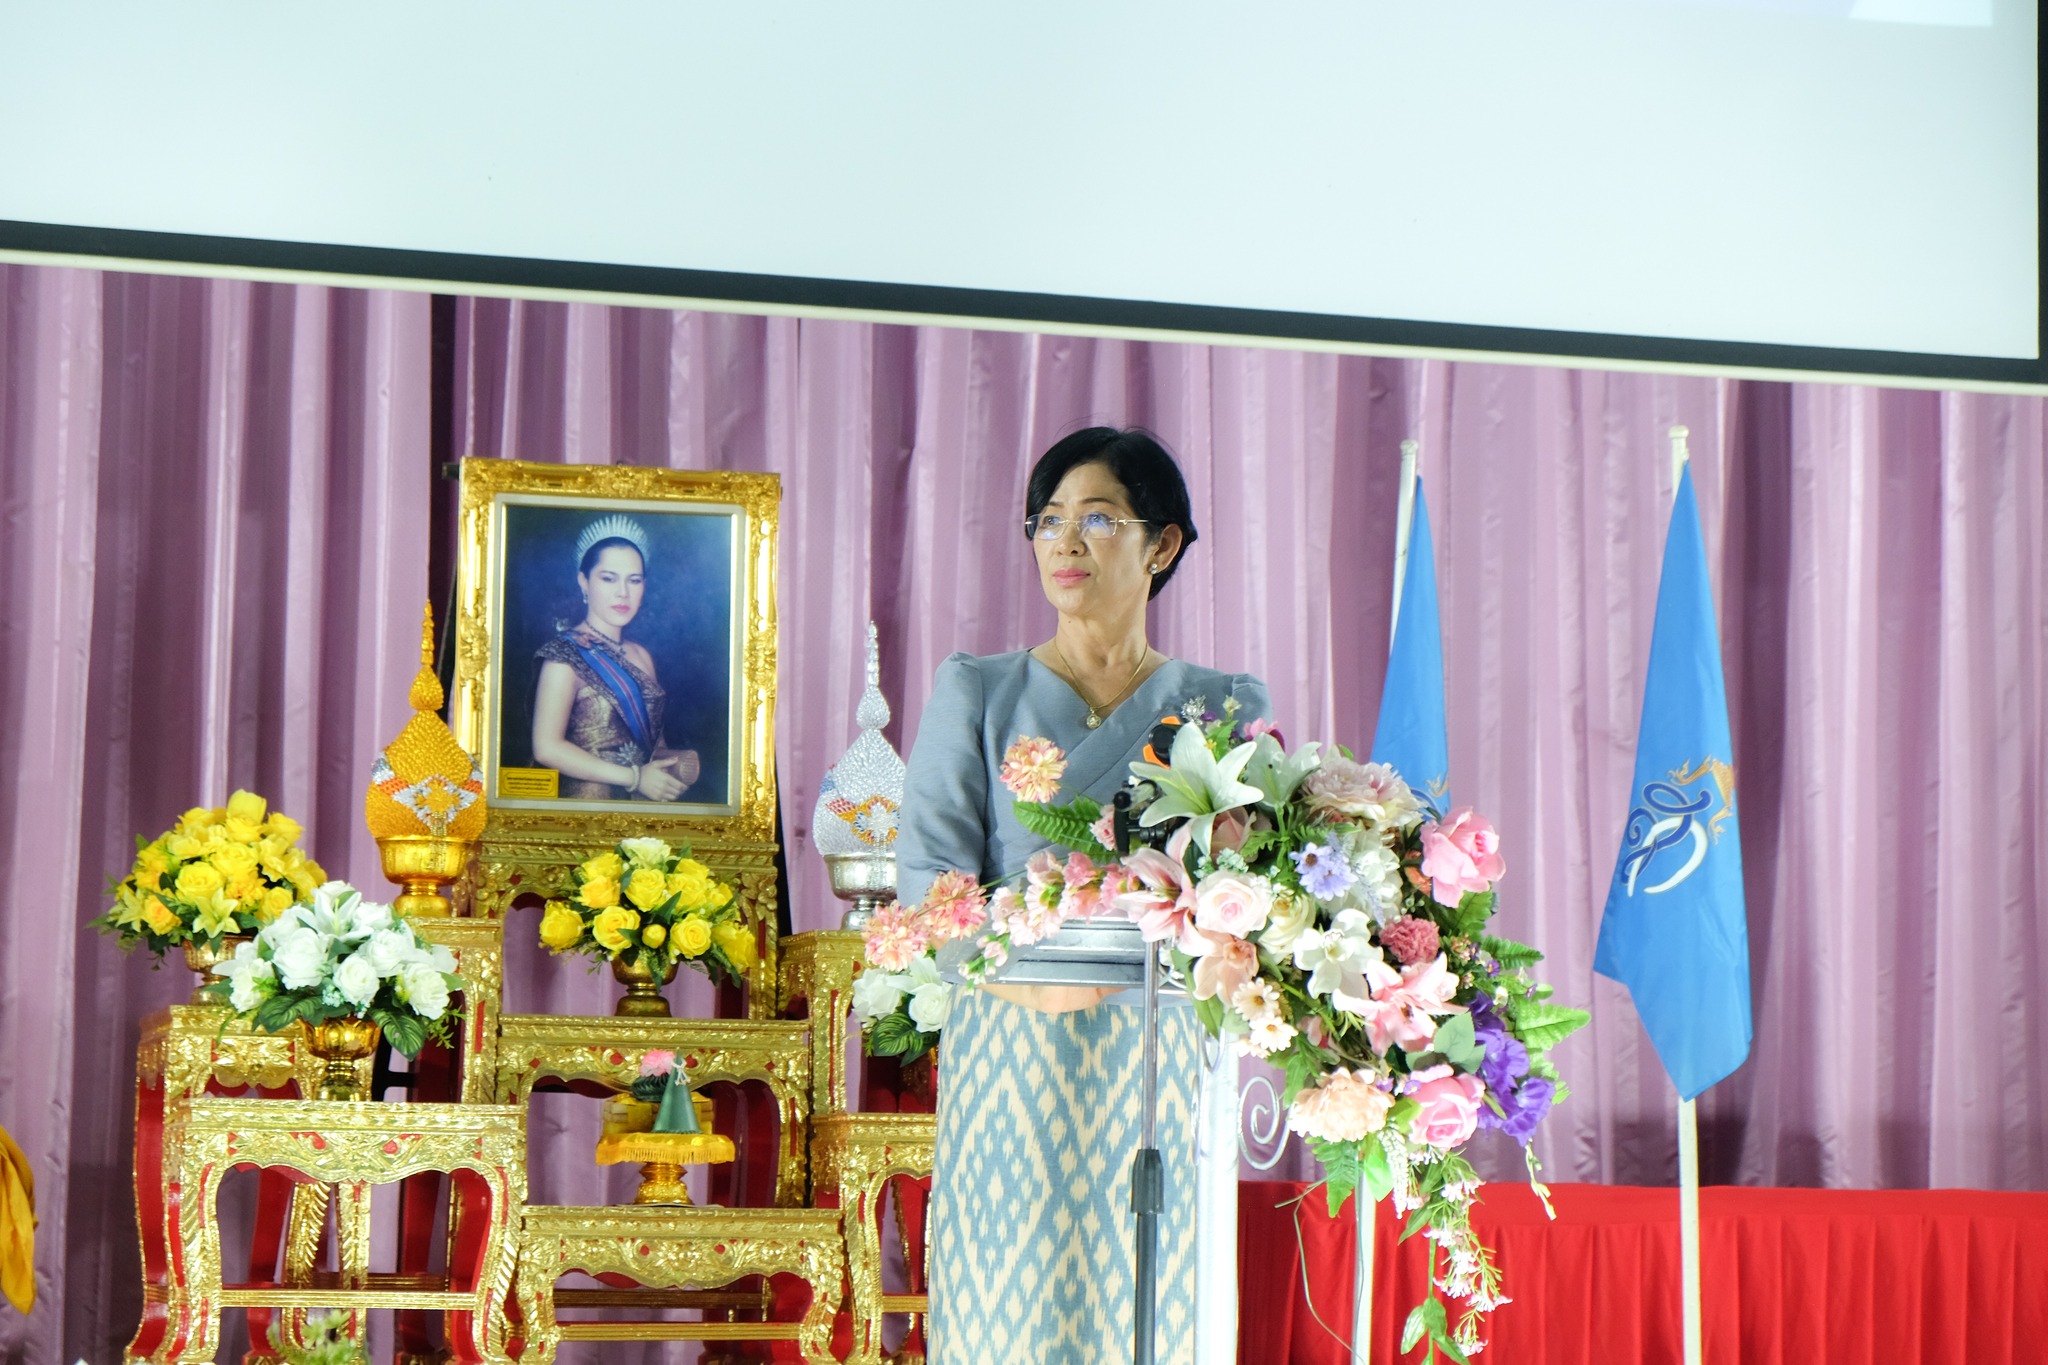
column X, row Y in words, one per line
column 603, row 1052
column 185, row 1053
column 349, row 1146
column 677, row 1248
column 854, row 1157
column 818, row 969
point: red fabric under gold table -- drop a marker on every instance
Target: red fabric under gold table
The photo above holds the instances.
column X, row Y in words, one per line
column 1887, row 1277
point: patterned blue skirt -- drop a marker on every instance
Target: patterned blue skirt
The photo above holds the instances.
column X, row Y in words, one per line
column 1031, row 1213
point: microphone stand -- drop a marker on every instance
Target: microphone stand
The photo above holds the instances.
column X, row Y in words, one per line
column 1148, row 1177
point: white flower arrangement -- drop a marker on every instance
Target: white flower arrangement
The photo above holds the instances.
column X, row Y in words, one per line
column 339, row 955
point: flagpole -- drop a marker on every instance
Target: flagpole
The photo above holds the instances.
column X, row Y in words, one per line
column 1361, row 1208
column 1404, row 525
column 1688, row 1124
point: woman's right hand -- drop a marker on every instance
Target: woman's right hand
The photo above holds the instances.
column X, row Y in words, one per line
column 657, row 783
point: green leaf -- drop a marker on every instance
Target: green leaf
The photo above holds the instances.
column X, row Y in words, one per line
column 1447, row 1343
column 275, row 1014
column 1210, row 1012
column 1470, row 915
column 1542, row 1025
column 406, row 1032
column 1337, row 1192
column 894, row 1035
column 1065, row 826
column 1255, row 845
column 1417, row 1324
column 1455, row 1040
column 1373, row 1169
column 1511, row 955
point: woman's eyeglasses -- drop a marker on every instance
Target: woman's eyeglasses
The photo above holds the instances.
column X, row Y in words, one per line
column 1094, row 526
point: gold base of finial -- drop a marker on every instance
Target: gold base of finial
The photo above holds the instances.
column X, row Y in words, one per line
column 423, row 865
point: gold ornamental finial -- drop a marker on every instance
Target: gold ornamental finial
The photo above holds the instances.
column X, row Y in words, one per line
column 426, row 685
column 425, row 804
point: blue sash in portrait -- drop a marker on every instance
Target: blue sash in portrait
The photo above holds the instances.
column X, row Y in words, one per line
column 625, row 690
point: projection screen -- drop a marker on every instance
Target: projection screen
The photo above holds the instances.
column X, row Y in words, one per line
column 1815, row 185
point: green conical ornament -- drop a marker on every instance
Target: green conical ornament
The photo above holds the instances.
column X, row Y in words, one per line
column 677, row 1114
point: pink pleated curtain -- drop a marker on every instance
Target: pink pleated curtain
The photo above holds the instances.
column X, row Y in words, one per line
column 213, row 535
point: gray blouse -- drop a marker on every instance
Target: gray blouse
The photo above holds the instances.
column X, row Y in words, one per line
column 957, row 814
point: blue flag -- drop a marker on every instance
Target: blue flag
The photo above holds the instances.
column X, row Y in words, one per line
column 1410, row 733
column 1674, row 931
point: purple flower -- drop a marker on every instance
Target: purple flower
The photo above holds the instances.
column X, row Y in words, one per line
column 1325, row 874
column 1522, row 1109
column 1506, row 1061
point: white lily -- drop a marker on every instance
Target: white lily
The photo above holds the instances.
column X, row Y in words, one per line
column 1198, row 786
column 1277, row 773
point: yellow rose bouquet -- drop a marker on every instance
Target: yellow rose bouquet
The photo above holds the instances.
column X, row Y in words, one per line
column 646, row 901
column 218, row 872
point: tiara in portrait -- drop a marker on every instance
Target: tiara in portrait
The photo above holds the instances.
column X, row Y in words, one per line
column 611, row 528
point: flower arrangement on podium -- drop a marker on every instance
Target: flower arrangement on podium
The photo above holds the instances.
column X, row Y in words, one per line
column 646, row 908
column 349, row 970
column 1325, row 918
column 218, row 873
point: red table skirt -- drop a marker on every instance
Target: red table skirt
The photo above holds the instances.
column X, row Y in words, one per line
column 1888, row 1277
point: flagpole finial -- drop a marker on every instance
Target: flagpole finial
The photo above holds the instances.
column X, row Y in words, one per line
column 1679, row 454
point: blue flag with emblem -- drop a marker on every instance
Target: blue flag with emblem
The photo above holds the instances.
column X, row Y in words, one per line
column 1410, row 734
column 1675, row 932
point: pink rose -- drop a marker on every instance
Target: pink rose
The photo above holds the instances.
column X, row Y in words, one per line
column 1227, row 903
column 1450, row 1107
column 1460, row 854
column 1223, row 966
column 1229, row 832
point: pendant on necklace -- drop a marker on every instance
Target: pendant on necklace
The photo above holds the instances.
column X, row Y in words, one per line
column 1093, row 720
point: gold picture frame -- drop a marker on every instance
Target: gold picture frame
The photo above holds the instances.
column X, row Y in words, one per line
column 521, row 554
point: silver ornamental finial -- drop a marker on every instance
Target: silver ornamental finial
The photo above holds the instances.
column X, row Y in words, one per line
column 855, row 820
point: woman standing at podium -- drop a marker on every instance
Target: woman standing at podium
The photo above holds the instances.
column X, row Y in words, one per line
column 1039, row 1098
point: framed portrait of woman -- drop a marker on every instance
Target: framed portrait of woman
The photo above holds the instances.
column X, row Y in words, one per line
column 615, row 655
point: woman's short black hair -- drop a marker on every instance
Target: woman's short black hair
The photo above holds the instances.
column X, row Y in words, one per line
column 596, row 552
column 1159, row 496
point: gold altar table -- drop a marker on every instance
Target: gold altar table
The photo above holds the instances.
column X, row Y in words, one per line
column 348, row 1146
column 854, row 1156
column 603, row 1052
column 818, row 969
column 675, row 1248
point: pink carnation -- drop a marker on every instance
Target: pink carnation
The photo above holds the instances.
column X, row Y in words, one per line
column 1032, row 768
column 953, row 908
column 1461, row 853
column 1450, row 1107
column 895, row 938
column 657, row 1062
column 1104, row 829
column 1411, row 940
column 1343, row 1107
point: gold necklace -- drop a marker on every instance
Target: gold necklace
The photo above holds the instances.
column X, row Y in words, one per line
column 1074, row 680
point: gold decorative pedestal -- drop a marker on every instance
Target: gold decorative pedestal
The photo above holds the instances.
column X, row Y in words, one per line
column 342, row 1044
column 662, row 1157
column 424, row 865
column 643, row 998
column 202, row 955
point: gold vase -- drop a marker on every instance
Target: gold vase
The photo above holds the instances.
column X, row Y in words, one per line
column 342, row 1043
column 423, row 865
column 643, row 998
column 202, row 955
